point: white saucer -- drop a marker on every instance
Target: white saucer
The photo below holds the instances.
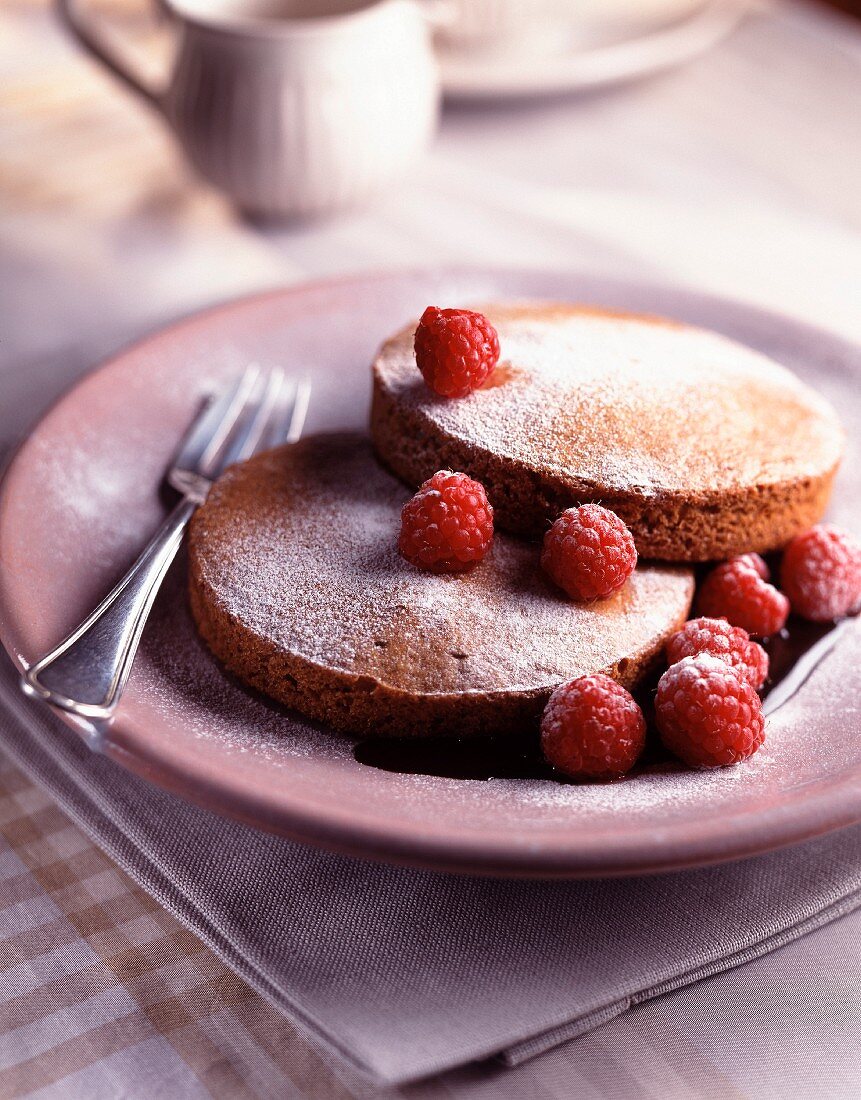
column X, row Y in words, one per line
column 486, row 75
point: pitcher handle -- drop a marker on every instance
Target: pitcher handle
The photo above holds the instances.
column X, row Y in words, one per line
column 98, row 44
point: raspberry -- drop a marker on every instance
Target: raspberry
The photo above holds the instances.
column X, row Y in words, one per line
column 592, row 728
column 821, row 573
column 707, row 713
column 758, row 563
column 589, row 552
column 448, row 525
column 729, row 643
column 456, row 350
column 736, row 591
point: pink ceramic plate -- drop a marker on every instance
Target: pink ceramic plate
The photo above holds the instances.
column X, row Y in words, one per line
column 83, row 494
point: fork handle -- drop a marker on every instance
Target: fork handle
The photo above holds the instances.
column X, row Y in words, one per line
column 87, row 671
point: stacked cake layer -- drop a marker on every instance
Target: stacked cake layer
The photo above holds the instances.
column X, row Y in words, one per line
column 705, row 448
column 298, row 587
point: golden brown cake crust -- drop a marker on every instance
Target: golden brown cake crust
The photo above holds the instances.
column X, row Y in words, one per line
column 297, row 587
column 704, row 447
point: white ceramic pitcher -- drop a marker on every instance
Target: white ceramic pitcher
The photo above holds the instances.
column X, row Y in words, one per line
column 289, row 111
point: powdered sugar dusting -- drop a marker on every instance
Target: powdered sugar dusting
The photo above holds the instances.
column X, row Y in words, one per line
column 299, row 546
column 629, row 404
column 175, row 665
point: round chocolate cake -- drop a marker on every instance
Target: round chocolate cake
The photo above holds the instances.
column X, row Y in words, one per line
column 298, row 588
column 705, row 448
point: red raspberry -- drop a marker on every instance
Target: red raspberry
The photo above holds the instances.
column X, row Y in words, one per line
column 707, row 713
column 456, row 350
column 758, row 563
column 589, row 552
column 448, row 525
column 821, row 573
column 592, row 728
column 736, row 591
column 729, row 643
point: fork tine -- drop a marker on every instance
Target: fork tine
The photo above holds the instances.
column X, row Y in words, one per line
column 300, row 411
column 282, row 415
column 212, row 427
column 248, row 438
column 287, row 420
column 258, row 411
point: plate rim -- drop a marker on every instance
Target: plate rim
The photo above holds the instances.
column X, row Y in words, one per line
column 831, row 803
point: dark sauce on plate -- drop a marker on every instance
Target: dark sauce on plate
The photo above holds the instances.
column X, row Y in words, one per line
column 489, row 758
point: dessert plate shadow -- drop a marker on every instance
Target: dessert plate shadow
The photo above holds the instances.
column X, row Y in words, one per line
column 83, row 494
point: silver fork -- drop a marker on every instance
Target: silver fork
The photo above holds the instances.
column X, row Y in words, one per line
column 86, row 673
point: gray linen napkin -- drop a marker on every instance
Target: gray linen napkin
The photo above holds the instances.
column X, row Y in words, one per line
column 407, row 973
